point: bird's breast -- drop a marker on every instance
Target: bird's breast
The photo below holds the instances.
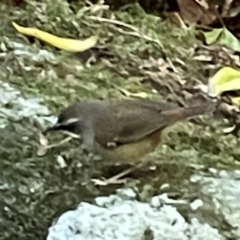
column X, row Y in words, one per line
column 130, row 152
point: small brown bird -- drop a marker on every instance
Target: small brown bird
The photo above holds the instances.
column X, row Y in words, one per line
column 123, row 130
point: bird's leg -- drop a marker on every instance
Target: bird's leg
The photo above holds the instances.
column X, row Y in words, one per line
column 115, row 179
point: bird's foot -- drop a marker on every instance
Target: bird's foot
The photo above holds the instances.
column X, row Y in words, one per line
column 105, row 182
column 115, row 179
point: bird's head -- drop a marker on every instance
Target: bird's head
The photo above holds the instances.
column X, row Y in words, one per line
column 68, row 120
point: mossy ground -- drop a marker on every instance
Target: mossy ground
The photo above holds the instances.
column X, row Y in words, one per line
column 38, row 189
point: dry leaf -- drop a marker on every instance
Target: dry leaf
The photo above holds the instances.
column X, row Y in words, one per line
column 43, row 140
column 42, row 149
column 196, row 11
column 129, row 94
column 229, row 129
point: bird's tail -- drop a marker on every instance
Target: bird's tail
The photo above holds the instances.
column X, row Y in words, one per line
column 188, row 112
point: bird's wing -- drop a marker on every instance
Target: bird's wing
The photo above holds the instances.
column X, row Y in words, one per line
column 130, row 121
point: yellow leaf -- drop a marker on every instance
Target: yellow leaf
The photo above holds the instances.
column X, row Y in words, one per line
column 236, row 100
column 129, row 94
column 67, row 44
column 226, row 79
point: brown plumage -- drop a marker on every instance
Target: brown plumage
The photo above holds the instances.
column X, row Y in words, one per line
column 123, row 130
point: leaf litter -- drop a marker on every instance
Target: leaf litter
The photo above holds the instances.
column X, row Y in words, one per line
column 148, row 56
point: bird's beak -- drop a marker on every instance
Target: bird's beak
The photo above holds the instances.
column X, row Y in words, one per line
column 60, row 126
column 53, row 128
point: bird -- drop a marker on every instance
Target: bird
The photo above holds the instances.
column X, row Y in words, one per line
column 123, row 130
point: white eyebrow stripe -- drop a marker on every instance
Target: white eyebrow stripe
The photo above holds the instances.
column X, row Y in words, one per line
column 71, row 120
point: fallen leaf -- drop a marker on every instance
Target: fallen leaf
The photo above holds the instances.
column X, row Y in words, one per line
column 196, row 11
column 229, row 129
column 229, row 40
column 226, row 79
column 212, row 36
column 61, row 161
column 222, row 36
column 236, row 100
column 43, row 140
column 42, row 148
column 228, row 109
column 67, row 44
column 129, row 94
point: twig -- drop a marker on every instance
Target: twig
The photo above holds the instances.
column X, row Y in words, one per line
column 116, row 22
column 218, row 16
column 68, row 139
column 179, row 18
column 136, row 32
